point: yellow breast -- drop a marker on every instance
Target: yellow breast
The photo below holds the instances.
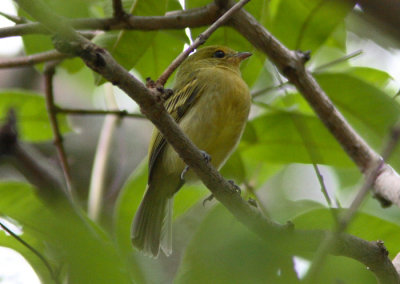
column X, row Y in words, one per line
column 216, row 121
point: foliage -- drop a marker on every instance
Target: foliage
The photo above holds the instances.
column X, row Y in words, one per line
column 210, row 245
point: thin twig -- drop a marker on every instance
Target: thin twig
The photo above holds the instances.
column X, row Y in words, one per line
column 118, row 9
column 337, row 61
column 12, row 18
column 32, row 249
column 316, row 70
column 198, row 41
column 345, row 220
column 37, row 58
column 49, row 95
column 260, row 92
column 312, row 152
column 121, row 113
column 192, row 18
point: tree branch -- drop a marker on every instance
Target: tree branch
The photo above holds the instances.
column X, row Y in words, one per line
column 23, row 61
column 121, row 113
column 26, row 162
column 173, row 20
column 118, row 9
column 58, row 140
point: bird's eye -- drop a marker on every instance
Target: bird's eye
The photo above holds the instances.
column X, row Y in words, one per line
column 219, row 54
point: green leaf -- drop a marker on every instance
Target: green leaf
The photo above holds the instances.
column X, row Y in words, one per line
column 369, row 109
column 32, row 119
column 307, row 24
column 224, row 251
column 234, row 168
column 71, row 8
column 128, row 47
column 364, row 226
column 40, row 43
column 284, row 137
column 37, row 264
column 68, row 238
column 164, row 48
column 376, row 77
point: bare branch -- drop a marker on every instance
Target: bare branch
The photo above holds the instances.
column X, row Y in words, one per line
column 199, row 41
column 26, row 160
column 23, row 61
column 121, row 113
column 118, row 9
column 49, row 96
column 12, row 18
column 177, row 20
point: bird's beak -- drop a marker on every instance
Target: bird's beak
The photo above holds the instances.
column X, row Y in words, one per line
column 240, row 56
column 243, row 55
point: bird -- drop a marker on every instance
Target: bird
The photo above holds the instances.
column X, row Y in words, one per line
column 211, row 103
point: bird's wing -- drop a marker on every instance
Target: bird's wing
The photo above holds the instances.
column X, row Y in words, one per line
column 177, row 105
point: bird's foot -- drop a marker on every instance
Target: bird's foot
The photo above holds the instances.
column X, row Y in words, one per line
column 235, row 186
column 208, row 198
column 164, row 92
column 206, row 157
column 252, row 202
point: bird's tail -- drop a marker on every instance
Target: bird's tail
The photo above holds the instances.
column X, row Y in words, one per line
column 152, row 226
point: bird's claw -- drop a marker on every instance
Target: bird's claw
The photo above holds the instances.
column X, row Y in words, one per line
column 252, row 202
column 183, row 173
column 235, row 186
column 206, row 157
column 208, row 198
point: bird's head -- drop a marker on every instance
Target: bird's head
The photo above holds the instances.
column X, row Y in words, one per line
column 218, row 56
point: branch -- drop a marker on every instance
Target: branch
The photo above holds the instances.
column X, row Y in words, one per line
column 12, row 18
column 121, row 113
column 23, row 61
column 26, row 161
column 49, row 96
column 291, row 64
column 199, row 41
column 173, row 20
column 98, row 59
column 118, row 9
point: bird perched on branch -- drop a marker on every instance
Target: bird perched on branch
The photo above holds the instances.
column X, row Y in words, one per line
column 211, row 103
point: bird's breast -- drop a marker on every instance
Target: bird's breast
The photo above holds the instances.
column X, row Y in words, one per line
column 216, row 121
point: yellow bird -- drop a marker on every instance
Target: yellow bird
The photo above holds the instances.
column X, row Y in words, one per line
column 211, row 103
